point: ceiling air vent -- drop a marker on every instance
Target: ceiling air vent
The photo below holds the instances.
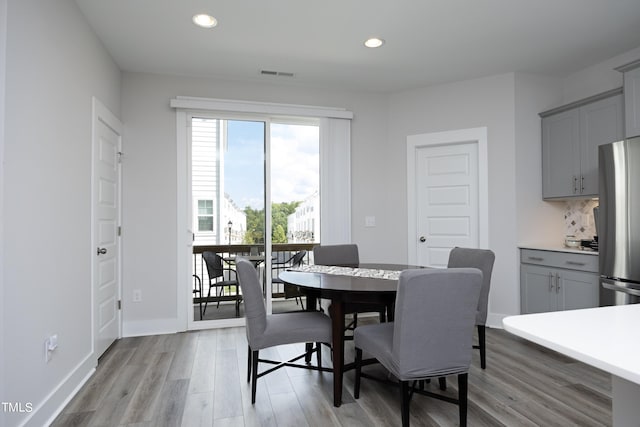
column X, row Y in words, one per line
column 276, row 73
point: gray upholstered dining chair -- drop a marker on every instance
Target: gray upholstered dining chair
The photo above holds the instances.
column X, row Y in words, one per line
column 347, row 255
column 431, row 335
column 265, row 331
column 483, row 260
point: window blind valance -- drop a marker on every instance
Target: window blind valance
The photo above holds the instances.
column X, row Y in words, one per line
column 253, row 107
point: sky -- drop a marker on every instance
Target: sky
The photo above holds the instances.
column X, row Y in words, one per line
column 294, row 163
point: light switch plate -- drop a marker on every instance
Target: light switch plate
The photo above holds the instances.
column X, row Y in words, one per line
column 369, row 221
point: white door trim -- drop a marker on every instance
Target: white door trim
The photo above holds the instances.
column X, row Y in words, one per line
column 414, row 143
column 100, row 113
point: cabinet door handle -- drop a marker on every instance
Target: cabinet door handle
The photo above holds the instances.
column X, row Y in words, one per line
column 550, row 282
column 557, row 283
column 536, row 258
column 581, row 264
column 582, row 184
column 575, row 184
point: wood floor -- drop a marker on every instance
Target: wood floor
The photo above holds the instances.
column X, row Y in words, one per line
column 199, row 379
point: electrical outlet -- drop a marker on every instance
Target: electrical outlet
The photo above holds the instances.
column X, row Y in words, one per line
column 137, row 295
column 50, row 345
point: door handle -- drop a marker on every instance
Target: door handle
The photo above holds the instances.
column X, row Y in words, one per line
column 423, row 239
column 102, row 251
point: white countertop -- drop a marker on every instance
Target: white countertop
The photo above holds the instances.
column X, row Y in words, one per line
column 605, row 337
column 558, row 248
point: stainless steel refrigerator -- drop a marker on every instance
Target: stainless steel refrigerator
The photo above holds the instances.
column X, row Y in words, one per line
column 619, row 222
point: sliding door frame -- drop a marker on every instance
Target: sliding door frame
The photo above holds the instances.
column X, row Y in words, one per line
column 334, row 173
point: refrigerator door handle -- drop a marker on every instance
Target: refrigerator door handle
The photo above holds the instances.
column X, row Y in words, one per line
column 614, row 286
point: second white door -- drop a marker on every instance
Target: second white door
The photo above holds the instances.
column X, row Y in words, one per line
column 106, row 212
column 445, row 196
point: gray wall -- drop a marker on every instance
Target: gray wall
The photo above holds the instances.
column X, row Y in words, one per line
column 538, row 222
column 54, row 65
column 3, row 63
column 149, row 179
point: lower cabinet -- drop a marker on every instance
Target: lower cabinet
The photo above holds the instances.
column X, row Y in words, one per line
column 546, row 287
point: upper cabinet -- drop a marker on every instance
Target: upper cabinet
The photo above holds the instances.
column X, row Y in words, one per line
column 570, row 138
column 631, row 98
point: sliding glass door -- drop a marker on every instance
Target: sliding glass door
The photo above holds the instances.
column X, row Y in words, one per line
column 254, row 186
column 295, row 207
column 227, row 171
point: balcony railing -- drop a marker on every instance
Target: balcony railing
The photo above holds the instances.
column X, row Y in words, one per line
column 280, row 252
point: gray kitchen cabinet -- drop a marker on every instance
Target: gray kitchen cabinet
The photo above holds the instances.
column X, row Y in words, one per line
column 570, row 139
column 631, row 98
column 553, row 281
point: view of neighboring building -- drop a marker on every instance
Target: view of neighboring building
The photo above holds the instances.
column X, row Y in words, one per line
column 303, row 226
column 211, row 213
column 232, row 217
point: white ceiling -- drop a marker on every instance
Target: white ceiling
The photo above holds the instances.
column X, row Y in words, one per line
column 427, row 41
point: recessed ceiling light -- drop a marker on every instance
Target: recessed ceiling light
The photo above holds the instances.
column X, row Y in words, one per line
column 373, row 42
column 205, row 21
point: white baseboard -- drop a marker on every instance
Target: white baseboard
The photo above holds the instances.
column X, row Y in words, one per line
column 46, row 412
column 150, row 327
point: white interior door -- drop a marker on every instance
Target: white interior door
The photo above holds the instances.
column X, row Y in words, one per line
column 105, row 218
column 445, row 197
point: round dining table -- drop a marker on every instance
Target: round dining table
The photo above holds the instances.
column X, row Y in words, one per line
column 340, row 290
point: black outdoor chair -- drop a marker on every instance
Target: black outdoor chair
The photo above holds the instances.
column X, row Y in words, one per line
column 290, row 291
column 216, row 272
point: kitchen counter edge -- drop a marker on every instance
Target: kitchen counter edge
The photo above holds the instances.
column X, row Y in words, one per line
column 558, row 248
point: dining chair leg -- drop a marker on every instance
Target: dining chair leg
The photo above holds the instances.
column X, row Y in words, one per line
column 442, row 381
column 462, row 398
column 248, row 363
column 405, row 396
column 237, row 302
column 356, row 388
column 254, row 375
column 319, row 354
column 482, row 346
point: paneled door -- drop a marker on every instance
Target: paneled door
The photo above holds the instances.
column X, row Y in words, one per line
column 445, row 199
column 105, row 235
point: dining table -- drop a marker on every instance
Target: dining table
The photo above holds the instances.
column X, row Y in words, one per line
column 367, row 283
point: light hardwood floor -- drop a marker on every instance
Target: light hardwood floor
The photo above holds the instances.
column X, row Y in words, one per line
column 199, row 379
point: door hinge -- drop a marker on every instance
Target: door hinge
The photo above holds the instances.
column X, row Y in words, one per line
column 119, row 304
column 119, row 230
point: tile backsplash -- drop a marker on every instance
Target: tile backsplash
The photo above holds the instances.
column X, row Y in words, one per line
column 578, row 218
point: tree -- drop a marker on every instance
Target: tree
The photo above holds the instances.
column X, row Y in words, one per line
column 278, row 235
column 279, row 226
